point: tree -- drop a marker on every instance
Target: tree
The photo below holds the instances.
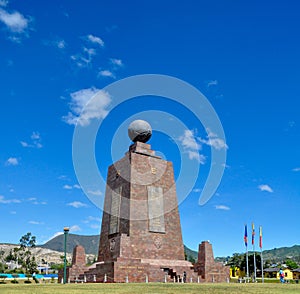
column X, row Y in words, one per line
column 27, row 242
column 291, row 264
column 2, row 255
column 236, row 260
column 251, row 263
column 11, row 256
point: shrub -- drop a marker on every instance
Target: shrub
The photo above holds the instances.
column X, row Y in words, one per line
column 14, row 281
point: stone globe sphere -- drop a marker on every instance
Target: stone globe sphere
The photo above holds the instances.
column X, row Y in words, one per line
column 139, row 131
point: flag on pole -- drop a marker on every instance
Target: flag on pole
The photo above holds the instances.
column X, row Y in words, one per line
column 260, row 237
column 253, row 233
column 246, row 236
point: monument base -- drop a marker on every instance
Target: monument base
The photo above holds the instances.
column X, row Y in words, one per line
column 125, row 270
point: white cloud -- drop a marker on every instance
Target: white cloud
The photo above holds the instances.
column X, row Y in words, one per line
column 222, row 207
column 61, row 44
column 94, row 218
column 68, row 187
column 117, row 62
column 53, row 236
column 35, row 141
column 85, row 58
column 95, row 40
column 96, row 193
column 188, row 141
column 106, row 73
column 34, row 201
column 24, row 144
column 265, row 188
column 8, row 201
column 296, row 169
column 84, row 108
column 77, row 204
column 81, row 61
column 212, row 83
column 214, row 141
column 75, row 228
column 14, row 21
column 91, row 219
column 225, row 165
column 12, row 161
column 195, row 155
column 191, row 146
column 35, row 223
column 89, row 51
column 35, row 136
column 197, row 190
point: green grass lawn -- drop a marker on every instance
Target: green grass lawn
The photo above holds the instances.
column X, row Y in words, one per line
column 149, row 288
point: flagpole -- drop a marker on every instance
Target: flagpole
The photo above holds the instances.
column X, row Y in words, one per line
column 254, row 260
column 261, row 255
column 247, row 262
column 246, row 244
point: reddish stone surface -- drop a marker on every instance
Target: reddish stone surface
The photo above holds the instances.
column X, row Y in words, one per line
column 207, row 268
column 79, row 257
column 78, row 266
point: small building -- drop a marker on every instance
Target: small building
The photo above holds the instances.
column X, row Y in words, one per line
column 296, row 274
column 273, row 272
column 44, row 268
column 236, row 272
column 12, row 265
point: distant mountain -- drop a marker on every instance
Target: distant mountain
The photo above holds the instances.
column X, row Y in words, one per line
column 90, row 243
column 190, row 253
column 282, row 253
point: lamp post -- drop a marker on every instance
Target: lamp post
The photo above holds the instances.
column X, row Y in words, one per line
column 66, row 231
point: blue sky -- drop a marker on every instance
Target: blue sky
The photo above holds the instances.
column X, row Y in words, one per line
column 242, row 55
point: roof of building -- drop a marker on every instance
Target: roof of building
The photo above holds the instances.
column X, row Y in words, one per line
column 272, row 269
column 297, row 270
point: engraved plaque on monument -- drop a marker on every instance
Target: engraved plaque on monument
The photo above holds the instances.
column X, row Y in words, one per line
column 115, row 211
column 156, row 209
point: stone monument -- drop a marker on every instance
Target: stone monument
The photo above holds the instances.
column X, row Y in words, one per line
column 140, row 235
column 141, row 238
column 78, row 266
column 207, row 268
